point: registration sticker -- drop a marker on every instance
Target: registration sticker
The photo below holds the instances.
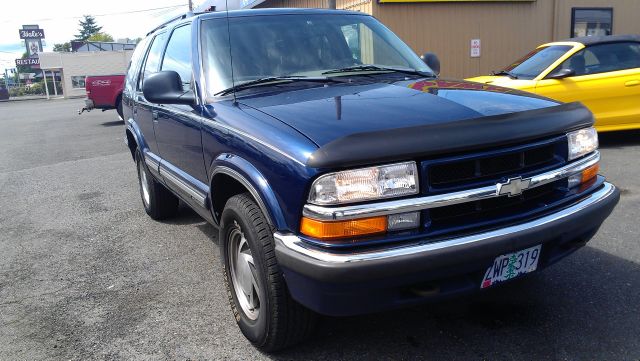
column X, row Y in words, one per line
column 511, row 265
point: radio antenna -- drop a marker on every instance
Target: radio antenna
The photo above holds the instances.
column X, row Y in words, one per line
column 233, row 81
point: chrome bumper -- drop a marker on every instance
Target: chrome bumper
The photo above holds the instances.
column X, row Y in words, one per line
column 325, row 213
column 294, row 244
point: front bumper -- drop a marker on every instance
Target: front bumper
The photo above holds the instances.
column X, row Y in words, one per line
column 335, row 282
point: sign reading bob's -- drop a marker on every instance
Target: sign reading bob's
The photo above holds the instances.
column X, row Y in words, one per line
column 31, row 33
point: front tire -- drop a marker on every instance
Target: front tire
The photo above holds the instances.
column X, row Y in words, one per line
column 258, row 294
column 158, row 201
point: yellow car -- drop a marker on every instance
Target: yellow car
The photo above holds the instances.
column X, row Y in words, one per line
column 602, row 72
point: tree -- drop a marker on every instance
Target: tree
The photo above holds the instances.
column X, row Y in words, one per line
column 64, row 47
column 101, row 37
column 88, row 27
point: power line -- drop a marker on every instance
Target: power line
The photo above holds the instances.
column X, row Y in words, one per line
column 139, row 11
column 107, row 14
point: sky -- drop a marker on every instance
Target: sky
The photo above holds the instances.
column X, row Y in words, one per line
column 59, row 20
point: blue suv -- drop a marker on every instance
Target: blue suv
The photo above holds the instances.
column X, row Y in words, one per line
column 343, row 174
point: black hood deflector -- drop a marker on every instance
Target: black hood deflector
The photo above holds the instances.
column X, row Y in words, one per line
column 450, row 137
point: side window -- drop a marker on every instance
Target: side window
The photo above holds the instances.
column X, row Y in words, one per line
column 367, row 47
column 604, row 58
column 134, row 63
column 153, row 58
column 177, row 57
column 352, row 36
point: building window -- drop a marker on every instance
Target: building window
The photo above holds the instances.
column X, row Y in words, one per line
column 77, row 81
column 591, row 21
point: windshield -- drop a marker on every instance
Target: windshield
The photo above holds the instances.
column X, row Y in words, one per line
column 532, row 64
column 298, row 45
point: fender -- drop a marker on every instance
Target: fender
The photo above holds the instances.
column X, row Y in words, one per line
column 244, row 172
column 135, row 130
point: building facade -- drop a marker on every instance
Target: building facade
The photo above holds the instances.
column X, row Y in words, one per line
column 75, row 66
column 474, row 37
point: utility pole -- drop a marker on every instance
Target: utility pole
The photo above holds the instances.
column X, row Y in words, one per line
column 332, row 4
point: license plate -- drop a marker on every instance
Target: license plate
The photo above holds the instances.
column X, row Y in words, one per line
column 511, row 265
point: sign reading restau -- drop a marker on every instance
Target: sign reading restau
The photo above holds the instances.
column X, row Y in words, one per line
column 28, row 61
column 31, row 33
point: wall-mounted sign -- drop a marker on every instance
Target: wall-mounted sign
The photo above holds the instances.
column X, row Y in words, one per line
column 31, row 33
column 475, row 48
column 28, row 61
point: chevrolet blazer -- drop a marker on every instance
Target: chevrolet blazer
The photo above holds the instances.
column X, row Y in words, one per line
column 344, row 176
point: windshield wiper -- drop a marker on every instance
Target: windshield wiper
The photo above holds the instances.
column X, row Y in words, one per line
column 371, row 67
column 505, row 72
column 276, row 79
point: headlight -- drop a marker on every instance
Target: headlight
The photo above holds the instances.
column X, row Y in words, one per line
column 365, row 184
column 581, row 142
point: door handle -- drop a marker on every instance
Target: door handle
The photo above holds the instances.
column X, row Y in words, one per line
column 632, row 83
column 154, row 114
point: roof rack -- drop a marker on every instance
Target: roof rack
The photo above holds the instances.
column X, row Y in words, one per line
column 180, row 17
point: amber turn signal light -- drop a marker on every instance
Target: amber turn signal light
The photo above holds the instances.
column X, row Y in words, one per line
column 588, row 177
column 341, row 229
column 590, row 173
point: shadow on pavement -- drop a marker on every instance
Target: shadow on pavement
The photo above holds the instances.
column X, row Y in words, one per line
column 114, row 123
column 583, row 308
column 619, row 139
column 187, row 216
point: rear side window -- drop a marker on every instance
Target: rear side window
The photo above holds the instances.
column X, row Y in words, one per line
column 604, row 58
column 177, row 57
column 136, row 59
column 153, row 58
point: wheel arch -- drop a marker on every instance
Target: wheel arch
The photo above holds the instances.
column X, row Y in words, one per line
column 231, row 175
column 131, row 142
column 133, row 138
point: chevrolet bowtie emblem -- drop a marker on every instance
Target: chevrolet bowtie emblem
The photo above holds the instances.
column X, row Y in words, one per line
column 513, row 187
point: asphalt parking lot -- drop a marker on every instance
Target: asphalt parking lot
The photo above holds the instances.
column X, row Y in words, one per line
column 84, row 273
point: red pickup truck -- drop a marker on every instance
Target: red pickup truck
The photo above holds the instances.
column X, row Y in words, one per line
column 104, row 92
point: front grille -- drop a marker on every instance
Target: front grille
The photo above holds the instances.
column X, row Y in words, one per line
column 487, row 167
column 470, row 213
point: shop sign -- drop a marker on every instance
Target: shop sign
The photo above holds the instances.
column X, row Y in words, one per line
column 31, row 33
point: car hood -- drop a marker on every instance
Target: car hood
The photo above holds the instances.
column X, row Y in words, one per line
column 324, row 114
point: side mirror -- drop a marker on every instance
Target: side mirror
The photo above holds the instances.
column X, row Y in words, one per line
column 432, row 62
column 562, row 73
column 165, row 87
